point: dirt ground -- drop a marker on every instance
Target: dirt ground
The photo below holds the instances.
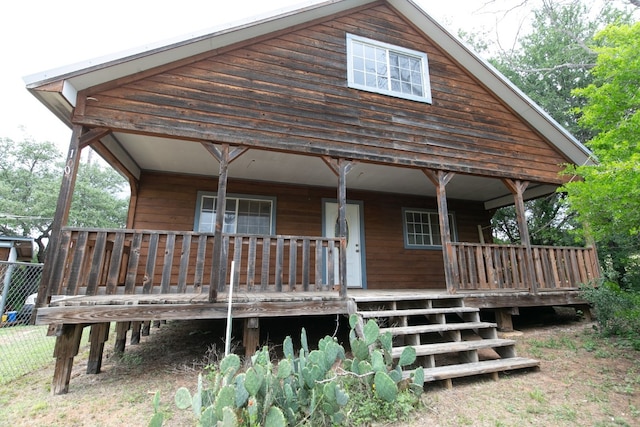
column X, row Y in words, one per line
column 583, row 381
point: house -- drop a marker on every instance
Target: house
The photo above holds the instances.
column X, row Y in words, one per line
column 14, row 248
column 358, row 149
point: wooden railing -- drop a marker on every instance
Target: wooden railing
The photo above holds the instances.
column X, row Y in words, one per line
column 503, row 267
column 95, row 262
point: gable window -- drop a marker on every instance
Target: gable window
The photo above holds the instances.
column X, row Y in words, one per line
column 243, row 214
column 422, row 228
column 391, row 70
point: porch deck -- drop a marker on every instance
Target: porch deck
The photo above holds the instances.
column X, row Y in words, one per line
column 145, row 307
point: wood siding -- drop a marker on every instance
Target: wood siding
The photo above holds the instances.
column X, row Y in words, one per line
column 168, row 202
column 290, row 93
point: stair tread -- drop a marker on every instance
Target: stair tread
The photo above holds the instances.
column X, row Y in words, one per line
column 381, row 297
column 455, row 346
column 436, row 327
column 416, row 311
column 476, row 368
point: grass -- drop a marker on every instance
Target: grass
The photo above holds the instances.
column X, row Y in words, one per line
column 575, row 385
column 24, row 349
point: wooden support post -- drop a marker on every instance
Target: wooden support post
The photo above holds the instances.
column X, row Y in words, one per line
column 225, row 156
column 452, row 276
column 135, row 332
column 146, row 328
column 251, row 335
column 341, row 168
column 61, row 216
column 98, row 335
column 121, row 336
column 344, row 167
column 65, row 350
column 517, row 188
column 504, row 320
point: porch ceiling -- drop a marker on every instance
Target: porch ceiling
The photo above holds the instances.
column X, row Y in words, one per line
column 166, row 155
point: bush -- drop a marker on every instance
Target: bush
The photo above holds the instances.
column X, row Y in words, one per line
column 316, row 388
column 617, row 311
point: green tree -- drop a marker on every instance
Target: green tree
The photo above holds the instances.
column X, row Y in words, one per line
column 549, row 220
column 549, row 63
column 608, row 197
column 30, row 176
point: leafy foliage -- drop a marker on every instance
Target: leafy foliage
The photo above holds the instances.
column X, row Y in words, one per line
column 556, row 57
column 30, row 175
column 617, row 311
column 549, row 63
column 608, row 197
column 549, row 220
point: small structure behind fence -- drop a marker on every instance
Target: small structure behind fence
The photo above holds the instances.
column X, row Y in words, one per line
column 23, row 347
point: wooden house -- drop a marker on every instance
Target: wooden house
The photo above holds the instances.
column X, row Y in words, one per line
column 358, row 150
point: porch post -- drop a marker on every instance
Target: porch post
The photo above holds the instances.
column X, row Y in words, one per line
column 344, row 167
column 224, row 155
column 517, row 188
column 62, row 213
column 341, row 168
column 451, row 274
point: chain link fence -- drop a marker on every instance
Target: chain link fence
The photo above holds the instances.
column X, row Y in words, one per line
column 23, row 347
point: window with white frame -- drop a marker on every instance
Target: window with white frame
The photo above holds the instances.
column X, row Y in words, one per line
column 391, row 70
column 422, row 228
column 243, row 214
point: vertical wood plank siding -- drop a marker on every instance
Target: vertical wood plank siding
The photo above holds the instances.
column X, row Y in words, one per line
column 289, row 92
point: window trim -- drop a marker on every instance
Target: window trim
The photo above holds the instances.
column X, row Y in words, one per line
column 452, row 226
column 238, row 196
column 426, row 83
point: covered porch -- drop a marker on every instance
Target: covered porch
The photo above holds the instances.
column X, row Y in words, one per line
column 136, row 275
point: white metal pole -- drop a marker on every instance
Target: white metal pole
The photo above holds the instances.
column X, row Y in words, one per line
column 227, row 342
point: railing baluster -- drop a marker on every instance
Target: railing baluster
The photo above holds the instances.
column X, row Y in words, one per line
column 279, row 262
column 76, row 263
column 482, row 278
column 201, row 255
column 251, row 263
column 331, row 264
column 293, row 262
column 266, row 262
column 224, row 259
column 132, row 268
column 463, row 271
column 238, row 242
column 305, row 264
column 150, row 267
column 185, row 256
column 114, row 264
column 318, row 270
column 97, row 263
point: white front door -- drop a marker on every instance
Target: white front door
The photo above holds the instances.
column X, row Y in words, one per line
column 355, row 248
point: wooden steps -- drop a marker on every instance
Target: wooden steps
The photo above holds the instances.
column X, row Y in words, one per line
column 477, row 368
column 454, row 347
column 449, row 338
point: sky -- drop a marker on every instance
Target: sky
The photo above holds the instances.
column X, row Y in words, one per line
column 40, row 35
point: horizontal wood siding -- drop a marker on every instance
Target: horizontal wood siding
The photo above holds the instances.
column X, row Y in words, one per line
column 299, row 212
column 290, row 93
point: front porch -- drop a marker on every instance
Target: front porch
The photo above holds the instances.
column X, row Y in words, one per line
column 132, row 277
